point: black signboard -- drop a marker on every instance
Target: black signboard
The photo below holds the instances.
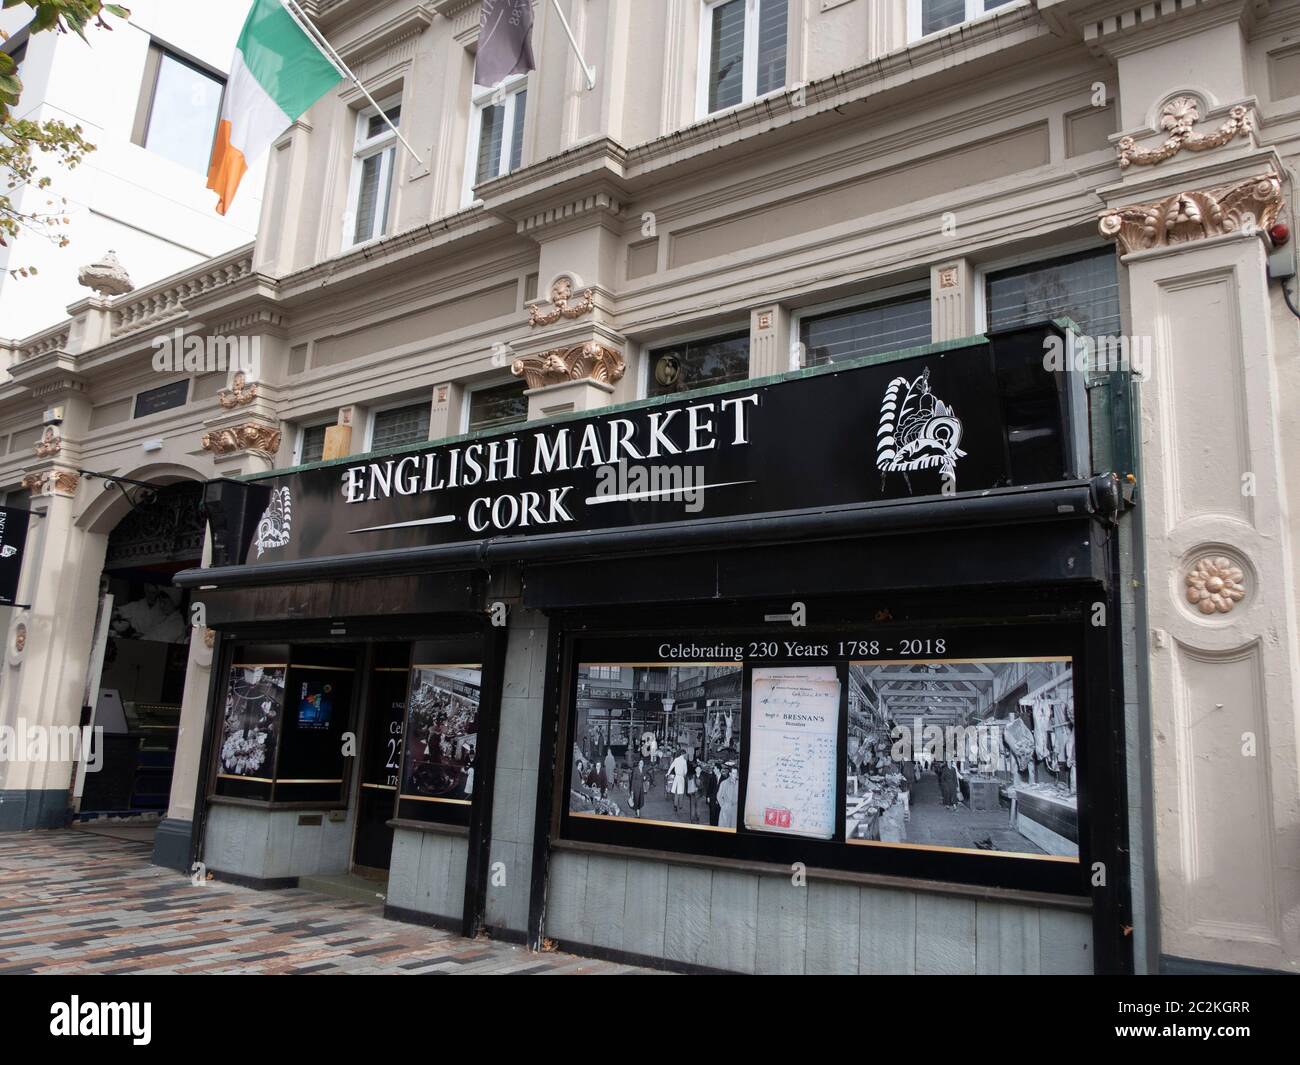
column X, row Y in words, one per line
column 157, row 400
column 949, row 420
column 13, row 541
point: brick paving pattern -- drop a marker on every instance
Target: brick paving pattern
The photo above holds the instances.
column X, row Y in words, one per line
column 76, row 903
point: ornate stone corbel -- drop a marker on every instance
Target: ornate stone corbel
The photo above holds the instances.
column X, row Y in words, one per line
column 585, row 361
column 241, row 394
column 561, row 293
column 251, row 436
column 52, row 483
column 1189, row 216
column 1178, row 118
column 50, row 443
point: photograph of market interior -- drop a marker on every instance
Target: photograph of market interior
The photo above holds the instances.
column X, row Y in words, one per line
column 968, row 755
column 658, row 744
column 442, row 733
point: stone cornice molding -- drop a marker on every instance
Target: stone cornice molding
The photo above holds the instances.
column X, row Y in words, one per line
column 1184, row 217
column 1112, row 28
column 388, row 35
column 464, row 16
column 580, row 212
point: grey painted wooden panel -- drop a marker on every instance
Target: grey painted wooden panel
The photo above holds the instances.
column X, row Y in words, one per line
column 505, row 805
column 279, row 856
column 305, row 855
column 645, row 911
column 404, row 871
column 733, row 922
column 690, row 900
column 1006, row 939
column 945, row 935
column 833, row 918
column 566, row 897
column 887, row 931
column 782, row 935
column 606, row 900
column 507, row 903
column 431, row 877
column 1065, row 942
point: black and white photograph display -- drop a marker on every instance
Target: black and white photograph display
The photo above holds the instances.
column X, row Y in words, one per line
column 153, row 613
column 952, row 755
column 658, row 744
column 253, row 716
column 442, row 733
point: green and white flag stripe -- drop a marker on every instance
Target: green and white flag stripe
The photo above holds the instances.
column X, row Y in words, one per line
column 277, row 73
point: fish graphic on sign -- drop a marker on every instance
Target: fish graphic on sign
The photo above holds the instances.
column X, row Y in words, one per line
column 276, row 524
column 918, row 431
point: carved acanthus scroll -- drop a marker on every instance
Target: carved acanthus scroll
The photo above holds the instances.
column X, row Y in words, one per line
column 1250, row 205
column 585, row 361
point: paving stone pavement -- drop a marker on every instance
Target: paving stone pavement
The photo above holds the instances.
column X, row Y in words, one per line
column 75, row 903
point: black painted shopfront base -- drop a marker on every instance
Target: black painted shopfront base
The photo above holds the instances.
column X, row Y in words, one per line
column 25, row 809
column 257, row 883
column 425, row 920
column 171, row 845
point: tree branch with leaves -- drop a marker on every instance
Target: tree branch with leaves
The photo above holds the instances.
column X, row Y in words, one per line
column 27, row 148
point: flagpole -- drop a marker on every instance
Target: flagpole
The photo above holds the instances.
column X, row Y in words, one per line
column 589, row 71
column 327, row 50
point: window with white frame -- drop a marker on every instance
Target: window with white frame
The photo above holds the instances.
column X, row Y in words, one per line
column 408, row 424
column 311, row 445
column 496, row 132
column 925, row 17
column 742, row 51
column 374, row 160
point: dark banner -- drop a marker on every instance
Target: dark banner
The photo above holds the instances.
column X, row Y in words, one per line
column 13, row 541
column 943, row 422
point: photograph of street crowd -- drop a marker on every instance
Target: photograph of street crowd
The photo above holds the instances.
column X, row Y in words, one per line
column 441, row 733
column 963, row 755
column 251, row 726
column 658, row 744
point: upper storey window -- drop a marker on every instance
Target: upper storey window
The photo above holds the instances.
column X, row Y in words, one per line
column 496, row 132
column 932, row 16
column 374, row 157
column 743, row 51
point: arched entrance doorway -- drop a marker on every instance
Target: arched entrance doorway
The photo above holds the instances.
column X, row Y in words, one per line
column 142, row 645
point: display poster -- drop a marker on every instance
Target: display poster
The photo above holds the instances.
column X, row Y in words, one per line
column 794, row 750
column 963, row 755
column 658, row 745
column 442, row 733
column 255, row 697
column 315, row 704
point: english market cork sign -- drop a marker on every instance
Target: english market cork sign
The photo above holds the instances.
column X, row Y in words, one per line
column 928, row 424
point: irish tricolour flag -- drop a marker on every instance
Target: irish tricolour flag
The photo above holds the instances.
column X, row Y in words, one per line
column 278, row 72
